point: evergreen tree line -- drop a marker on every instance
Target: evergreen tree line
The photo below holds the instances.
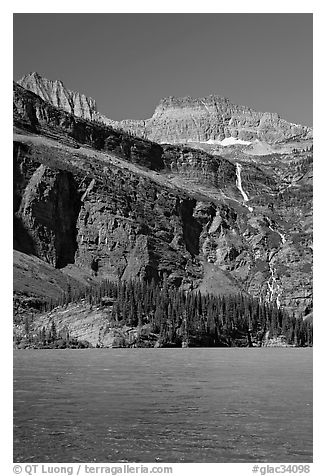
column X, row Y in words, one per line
column 191, row 317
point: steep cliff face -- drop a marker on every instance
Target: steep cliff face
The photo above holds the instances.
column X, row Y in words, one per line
column 129, row 226
column 198, row 166
column 119, row 206
column 178, row 120
column 121, row 225
column 57, row 94
column 213, row 118
column 36, row 115
column 46, row 213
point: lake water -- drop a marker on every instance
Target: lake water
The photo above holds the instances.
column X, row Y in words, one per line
column 165, row 405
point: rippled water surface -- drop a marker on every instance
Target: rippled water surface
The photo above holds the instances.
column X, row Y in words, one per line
column 166, row 405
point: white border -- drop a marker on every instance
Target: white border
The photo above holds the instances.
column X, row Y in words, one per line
column 167, row 6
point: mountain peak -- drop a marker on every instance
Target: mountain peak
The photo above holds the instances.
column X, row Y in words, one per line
column 185, row 101
column 215, row 118
column 178, row 119
column 57, row 94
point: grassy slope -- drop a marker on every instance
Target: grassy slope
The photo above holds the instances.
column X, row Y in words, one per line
column 35, row 277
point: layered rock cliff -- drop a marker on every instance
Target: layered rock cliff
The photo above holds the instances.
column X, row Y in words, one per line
column 178, row 120
column 115, row 206
column 57, row 94
column 213, row 118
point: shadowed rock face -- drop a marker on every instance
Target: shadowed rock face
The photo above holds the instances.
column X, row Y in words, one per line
column 36, row 115
column 46, row 211
column 119, row 206
column 123, row 226
column 178, row 120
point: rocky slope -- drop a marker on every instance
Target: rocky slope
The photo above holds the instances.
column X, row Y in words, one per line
column 178, row 120
column 90, row 200
column 36, row 281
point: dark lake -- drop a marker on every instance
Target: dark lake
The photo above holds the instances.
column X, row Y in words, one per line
column 166, row 405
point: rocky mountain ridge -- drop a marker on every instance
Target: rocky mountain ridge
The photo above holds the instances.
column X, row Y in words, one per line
column 213, row 118
column 179, row 120
column 56, row 93
column 93, row 202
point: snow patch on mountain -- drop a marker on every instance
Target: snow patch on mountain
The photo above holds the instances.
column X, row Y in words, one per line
column 228, row 141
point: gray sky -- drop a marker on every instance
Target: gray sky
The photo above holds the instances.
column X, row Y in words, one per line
column 128, row 62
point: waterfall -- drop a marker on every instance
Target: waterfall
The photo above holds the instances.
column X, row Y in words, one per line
column 239, row 184
column 283, row 239
column 273, row 286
